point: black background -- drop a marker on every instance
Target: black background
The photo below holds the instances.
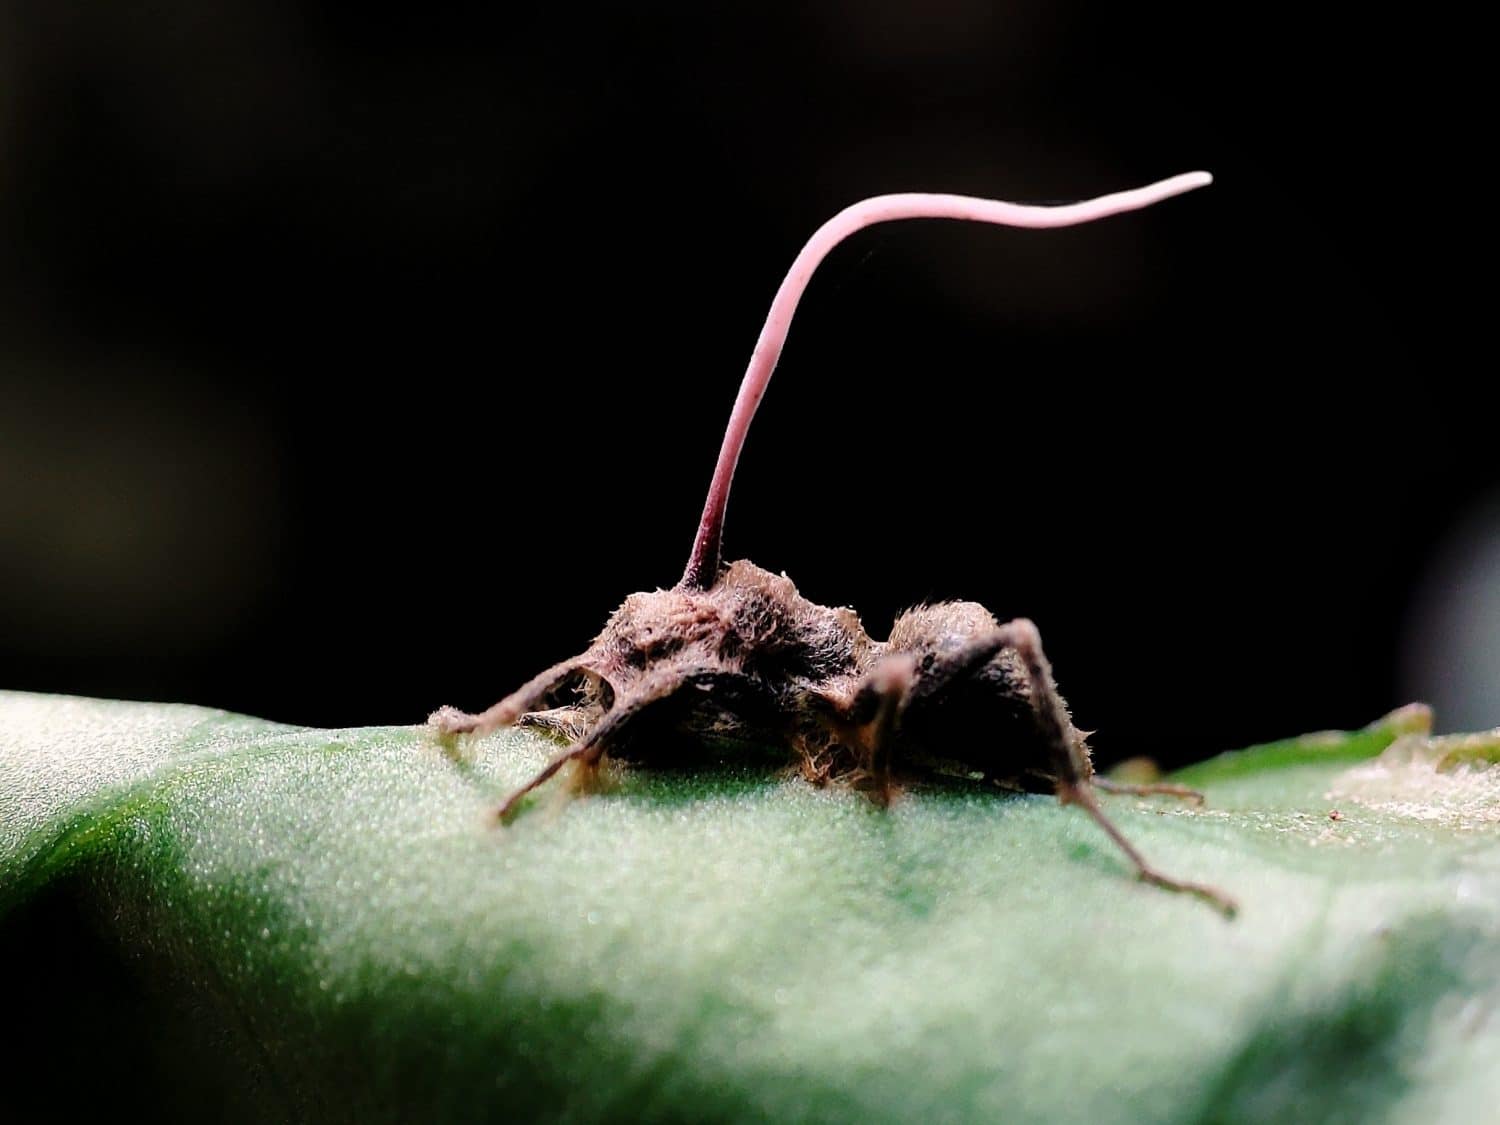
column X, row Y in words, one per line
column 354, row 364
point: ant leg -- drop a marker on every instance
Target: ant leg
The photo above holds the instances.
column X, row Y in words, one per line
column 643, row 702
column 1070, row 761
column 876, row 710
column 448, row 721
column 588, row 751
column 1075, row 773
column 1105, row 785
column 1083, row 796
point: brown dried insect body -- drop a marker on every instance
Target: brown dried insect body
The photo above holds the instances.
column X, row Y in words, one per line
column 733, row 653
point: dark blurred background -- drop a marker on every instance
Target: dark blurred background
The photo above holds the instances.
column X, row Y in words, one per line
column 353, row 364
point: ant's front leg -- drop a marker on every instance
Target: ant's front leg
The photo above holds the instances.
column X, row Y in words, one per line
column 659, row 698
column 530, row 697
column 1149, row 789
column 870, row 717
column 1076, row 785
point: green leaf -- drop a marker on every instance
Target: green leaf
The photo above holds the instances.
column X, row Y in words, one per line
column 320, row 925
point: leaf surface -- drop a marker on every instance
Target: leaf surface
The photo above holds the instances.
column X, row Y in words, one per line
column 324, row 927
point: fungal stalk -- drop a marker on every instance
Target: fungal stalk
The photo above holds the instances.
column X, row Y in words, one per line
column 704, row 562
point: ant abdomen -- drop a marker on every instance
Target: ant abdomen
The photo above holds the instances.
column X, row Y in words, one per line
column 963, row 686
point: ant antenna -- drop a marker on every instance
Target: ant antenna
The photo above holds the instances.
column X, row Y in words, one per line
column 703, row 565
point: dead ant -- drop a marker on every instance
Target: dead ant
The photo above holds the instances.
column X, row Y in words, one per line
column 734, row 654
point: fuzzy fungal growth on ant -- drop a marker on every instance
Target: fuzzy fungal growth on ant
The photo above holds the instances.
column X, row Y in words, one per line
column 732, row 654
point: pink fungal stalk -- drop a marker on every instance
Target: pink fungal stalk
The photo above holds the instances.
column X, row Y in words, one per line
column 703, row 565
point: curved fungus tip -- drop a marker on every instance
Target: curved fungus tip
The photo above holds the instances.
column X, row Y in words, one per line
column 704, row 562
